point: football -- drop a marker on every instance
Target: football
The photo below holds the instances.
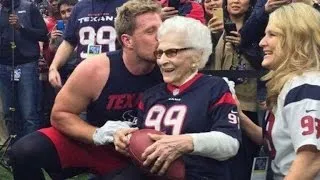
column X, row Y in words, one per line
column 140, row 140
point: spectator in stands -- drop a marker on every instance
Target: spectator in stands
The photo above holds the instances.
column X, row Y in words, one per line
column 253, row 31
column 209, row 6
column 27, row 24
column 215, row 25
column 292, row 54
column 110, row 86
column 229, row 57
column 187, row 8
column 53, row 14
column 203, row 129
column 65, row 7
column 91, row 23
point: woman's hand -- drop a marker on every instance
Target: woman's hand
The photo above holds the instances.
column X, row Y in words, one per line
column 121, row 140
column 234, row 39
column 165, row 150
column 241, row 114
column 168, row 12
column 215, row 25
column 263, row 105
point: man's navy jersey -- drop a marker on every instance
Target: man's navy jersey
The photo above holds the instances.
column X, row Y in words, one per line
column 92, row 22
column 120, row 97
column 203, row 104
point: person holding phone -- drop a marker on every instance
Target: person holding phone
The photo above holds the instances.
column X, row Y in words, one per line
column 65, row 7
column 213, row 13
column 229, row 57
column 188, row 8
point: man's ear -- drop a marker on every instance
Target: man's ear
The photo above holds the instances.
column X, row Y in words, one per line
column 126, row 40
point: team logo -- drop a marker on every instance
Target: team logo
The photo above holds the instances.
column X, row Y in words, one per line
column 130, row 116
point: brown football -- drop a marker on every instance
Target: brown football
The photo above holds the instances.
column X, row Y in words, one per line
column 140, row 140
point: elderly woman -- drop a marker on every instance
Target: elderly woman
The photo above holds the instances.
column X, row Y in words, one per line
column 196, row 111
column 292, row 53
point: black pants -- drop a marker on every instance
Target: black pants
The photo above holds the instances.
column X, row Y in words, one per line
column 33, row 152
column 36, row 151
column 241, row 164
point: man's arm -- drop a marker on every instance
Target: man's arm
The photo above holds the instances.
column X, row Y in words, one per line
column 63, row 53
column 253, row 29
column 38, row 30
column 83, row 86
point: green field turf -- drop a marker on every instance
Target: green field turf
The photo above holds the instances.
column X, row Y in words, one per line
column 6, row 175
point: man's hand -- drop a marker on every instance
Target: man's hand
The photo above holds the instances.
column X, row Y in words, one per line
column 105, row 134
column 14, row 21
column 121, row 140
column 165, row 150
column 168, row 12
column 272, row 5
column 55, row 33
column 54, row 78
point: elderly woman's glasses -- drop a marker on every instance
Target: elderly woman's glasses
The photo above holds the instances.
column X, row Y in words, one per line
column 169, row 52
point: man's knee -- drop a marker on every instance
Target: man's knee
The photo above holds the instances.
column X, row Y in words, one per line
column 26, row 149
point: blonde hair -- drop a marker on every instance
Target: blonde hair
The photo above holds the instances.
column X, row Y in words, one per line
column 125, row 22
column 298, row 50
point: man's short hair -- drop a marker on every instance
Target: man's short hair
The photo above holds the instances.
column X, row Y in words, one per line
column 126, row 15
column 66, row 2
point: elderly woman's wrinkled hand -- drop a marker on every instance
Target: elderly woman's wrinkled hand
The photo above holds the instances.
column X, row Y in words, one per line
column 165, row 150
column 121, row 140
column 215, row 25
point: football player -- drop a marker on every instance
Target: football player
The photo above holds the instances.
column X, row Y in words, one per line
column 91, row 25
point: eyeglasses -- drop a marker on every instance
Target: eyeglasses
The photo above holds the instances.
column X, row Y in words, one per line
column 169, row 52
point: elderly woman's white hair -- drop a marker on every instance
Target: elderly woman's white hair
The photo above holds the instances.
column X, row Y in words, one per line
column 196, row 34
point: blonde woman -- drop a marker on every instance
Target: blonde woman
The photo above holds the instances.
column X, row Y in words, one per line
column 292, row 53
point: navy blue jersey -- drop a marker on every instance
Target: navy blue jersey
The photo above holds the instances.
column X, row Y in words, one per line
column 92, row 22
column 120, row 96
column 203, row 104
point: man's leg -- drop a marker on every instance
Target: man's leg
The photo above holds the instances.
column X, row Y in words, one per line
column 97, row 159
column 131, row 172
column 6, row 93
column 29, row 97
column 31, row 153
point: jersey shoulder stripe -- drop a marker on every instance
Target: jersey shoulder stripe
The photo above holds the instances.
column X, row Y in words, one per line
column 304, row 91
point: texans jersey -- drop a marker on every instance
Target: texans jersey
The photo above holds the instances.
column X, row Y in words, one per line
column 296, row 121
column 120, row 97
column 202, row 104
column 92, row 22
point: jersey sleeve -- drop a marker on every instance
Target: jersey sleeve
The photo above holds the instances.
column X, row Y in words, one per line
column 70, row 33
column 223, row 112
column 302, row 115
